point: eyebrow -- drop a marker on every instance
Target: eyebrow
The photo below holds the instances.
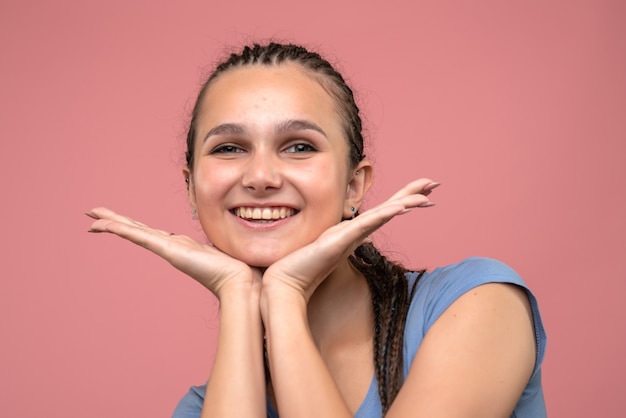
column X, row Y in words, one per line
column 297, row 125
column 290, row 125
column 225, row 129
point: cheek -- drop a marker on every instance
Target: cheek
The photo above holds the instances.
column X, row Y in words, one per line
column 328, row 186
column 212, row 183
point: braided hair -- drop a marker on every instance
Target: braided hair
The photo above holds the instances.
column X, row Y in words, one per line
column 386, row 280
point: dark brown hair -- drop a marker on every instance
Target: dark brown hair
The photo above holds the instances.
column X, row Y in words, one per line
column 386, row 280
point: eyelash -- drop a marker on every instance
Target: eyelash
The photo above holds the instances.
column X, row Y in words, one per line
column 234, row 149
column 301, row 148
column 226, row 149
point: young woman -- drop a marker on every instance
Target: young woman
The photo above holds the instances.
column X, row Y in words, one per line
column 314, row 321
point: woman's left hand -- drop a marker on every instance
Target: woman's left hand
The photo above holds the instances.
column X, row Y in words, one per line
column 294, row 357
column 303, row 270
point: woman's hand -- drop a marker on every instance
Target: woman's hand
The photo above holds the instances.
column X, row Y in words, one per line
column 304, row 269
column 295, row 360
column 214, row 269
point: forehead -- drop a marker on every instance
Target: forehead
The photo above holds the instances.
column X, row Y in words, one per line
column 285, row 90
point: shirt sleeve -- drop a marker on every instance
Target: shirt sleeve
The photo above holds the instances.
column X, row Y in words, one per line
column 190, row 406
column 437, row 290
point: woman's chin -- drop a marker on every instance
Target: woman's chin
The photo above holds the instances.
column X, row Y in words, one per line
column 259, row 253
column 259, row 259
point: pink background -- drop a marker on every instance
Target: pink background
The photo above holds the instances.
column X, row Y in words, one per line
column 518, row 108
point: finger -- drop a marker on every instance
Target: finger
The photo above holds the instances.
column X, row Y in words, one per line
column 399, row 205
column 113, row 225
column 429, row 188
column 107, row 220
column 376, row 217
column 422, row 186
column 105, row 213
column 155, row 240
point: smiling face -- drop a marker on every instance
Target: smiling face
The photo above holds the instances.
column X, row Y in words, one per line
column 271, row 170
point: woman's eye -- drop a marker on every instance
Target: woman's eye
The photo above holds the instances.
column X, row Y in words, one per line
column 226, row 149
column 298, row 148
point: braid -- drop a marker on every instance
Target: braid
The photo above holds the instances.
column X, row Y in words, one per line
column 389, row 290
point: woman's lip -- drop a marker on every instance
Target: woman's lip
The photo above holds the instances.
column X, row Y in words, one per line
column 262, row 224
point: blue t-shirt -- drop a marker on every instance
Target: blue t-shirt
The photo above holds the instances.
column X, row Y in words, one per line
column 435, row 292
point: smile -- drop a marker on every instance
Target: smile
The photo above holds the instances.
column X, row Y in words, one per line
column 264, row 213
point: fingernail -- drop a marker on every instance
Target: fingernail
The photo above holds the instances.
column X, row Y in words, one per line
column 91, row 215
column 431, row 186
column 426, row 204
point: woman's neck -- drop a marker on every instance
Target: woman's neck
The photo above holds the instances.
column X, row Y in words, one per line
column 340, row 308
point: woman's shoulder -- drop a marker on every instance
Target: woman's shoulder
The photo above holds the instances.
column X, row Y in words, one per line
column 439, row 288
column 435, row 290
column 444, row 284
column 470, row 269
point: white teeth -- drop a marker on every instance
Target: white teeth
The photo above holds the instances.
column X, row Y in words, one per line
column 264, row 213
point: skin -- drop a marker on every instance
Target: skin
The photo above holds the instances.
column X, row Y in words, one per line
column 270, row 137
column 290, row 280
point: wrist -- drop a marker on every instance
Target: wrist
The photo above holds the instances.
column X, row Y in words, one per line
column 242, row 287
column 279, row 300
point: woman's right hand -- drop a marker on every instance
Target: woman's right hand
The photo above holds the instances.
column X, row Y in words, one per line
column 212, row 268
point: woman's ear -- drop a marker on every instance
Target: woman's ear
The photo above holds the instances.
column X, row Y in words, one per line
column 358, row 186
column 191, row 194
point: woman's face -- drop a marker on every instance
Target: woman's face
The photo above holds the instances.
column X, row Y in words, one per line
column 271, row 168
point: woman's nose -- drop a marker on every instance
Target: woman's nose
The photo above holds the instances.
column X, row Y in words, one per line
column 262, row 172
